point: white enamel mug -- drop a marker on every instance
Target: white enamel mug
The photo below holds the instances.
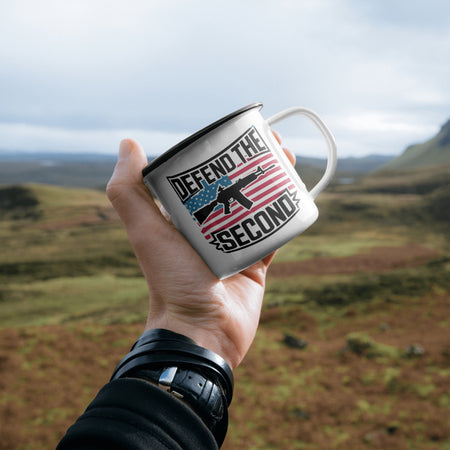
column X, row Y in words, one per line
column 232, row 192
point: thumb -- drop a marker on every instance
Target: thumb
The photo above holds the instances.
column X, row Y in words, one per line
column 127, row 172
column 126, row 190
column 145, row 225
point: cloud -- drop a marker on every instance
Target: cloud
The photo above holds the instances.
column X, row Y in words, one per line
column 99, row 67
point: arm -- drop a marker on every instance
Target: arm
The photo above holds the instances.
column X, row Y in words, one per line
column 196, row 323
column 132, row 414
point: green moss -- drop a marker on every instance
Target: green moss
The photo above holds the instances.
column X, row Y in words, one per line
column 335, row 435
column 362, row 344
column 363, row 405
column 369, row 378
column 390, row 379
column 444, row 401
column 423, row 390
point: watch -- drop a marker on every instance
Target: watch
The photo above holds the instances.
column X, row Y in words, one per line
column 195, row 375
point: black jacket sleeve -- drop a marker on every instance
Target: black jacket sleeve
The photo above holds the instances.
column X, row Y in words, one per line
column 132, row 414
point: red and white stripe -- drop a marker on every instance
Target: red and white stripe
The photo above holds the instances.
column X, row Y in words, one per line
column 261, row 192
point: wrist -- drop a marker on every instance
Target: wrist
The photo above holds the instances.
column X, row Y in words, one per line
column 211, row 340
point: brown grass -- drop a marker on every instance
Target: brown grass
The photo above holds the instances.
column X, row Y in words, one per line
column 328, row 397
column 319, row 398
column 378, row 259
column 322, row 397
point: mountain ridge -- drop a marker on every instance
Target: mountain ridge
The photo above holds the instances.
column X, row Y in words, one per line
column 433, row 152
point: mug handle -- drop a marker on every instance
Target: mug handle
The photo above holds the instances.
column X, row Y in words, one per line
column 331, row 143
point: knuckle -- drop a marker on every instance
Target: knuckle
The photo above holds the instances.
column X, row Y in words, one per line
column 113, row 191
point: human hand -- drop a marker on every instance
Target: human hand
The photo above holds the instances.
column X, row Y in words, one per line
column 185, row 296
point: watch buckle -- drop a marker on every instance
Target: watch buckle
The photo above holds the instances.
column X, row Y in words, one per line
column 166, row 379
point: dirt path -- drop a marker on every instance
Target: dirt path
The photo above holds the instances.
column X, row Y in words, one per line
column 379, row 259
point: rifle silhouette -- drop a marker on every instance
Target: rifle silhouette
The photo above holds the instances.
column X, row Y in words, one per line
column 227, row 195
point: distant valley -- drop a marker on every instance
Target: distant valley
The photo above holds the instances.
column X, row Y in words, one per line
column 94, row 170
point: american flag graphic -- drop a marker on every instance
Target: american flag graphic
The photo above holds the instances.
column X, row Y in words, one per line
column 263, row 191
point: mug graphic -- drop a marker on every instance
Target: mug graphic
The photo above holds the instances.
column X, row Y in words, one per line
column 238, row 197
column 230, row 190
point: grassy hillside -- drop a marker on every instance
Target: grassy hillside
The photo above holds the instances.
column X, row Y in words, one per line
column 365, row 290
column 420, row 182
column 432, row 153
column 51, row 233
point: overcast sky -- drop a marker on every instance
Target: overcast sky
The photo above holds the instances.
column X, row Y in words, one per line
column 81, row 75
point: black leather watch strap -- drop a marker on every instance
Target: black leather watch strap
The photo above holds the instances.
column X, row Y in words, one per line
column 202, row 395
column 164, row 348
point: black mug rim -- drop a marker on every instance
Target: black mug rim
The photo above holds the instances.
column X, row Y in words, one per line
column 193, row 137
